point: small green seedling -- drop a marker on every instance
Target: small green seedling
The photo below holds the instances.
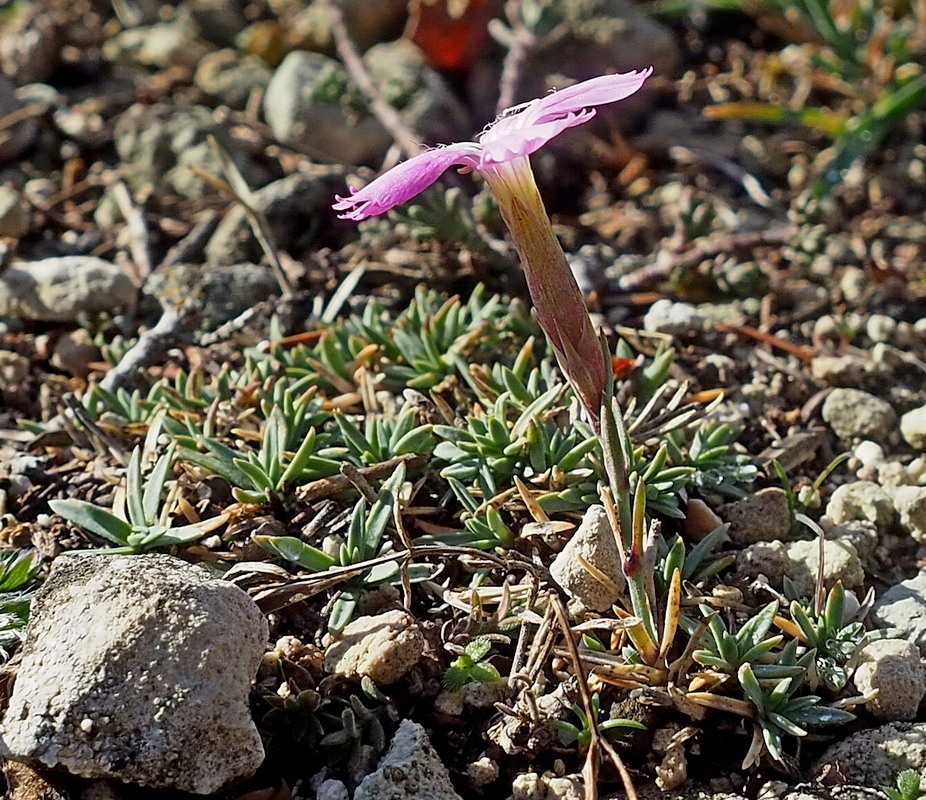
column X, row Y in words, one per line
column 909, row 786
column 582, row 733
column 472, row 666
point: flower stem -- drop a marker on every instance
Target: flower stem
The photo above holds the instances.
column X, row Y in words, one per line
column 556, row 296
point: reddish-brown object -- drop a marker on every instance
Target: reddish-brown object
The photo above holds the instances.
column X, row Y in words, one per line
column 622, row 367
column 452, row 34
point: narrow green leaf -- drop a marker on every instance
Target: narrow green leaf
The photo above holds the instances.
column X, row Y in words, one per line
column 94, row 519
column 296, row 551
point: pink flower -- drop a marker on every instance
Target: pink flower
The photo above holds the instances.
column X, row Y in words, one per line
column 518, row 132
column 502, row 158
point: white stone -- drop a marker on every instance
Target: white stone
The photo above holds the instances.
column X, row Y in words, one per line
column 913, row 428
column 873, row 756
column 869, row 453
column 910, row 502
column 861, row 500
column 332, row 789
column 799, row 561
column 668, row 316
column 880, row 328
column 59, row 289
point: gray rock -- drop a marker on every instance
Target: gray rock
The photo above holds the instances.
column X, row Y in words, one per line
column 159, row 144
column 14, row 217
column 332, row 789
column 138, row 668
column 861, row 534
column 840, row 563
column 913, row 428
column 231, row 78
column 798, row 561
column 383, row 647
column 594, row 542
column 846, row 370
column 218, row 21
column 910, row 502
column 861, row 500
column 308, row 104
column 851, row 413
column 761, row 517
column 668, row 316
column 19, row 137
column 594, row 37
column 410, row 770
column 547, row 786
column 60, row 289
column 294, row 207
column 894, row 668
column 834, row 792
column 904, row 606
column 873, row 757
column 311, row 105
column 218, row 294
column 764, row 558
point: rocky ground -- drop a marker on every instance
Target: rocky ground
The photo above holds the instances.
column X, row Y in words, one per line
column 281, row 520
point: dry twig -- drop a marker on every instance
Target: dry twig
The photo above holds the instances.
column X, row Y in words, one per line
column 391, row 120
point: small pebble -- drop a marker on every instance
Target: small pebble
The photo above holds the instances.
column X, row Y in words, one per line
column 667, row 316
column 869, row 453
column 851, row 413
column 861, row 500
column 913, row 428
column 894, row 668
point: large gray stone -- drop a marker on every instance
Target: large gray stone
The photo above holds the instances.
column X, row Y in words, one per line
column 311, row 104
column 138, row 668
column 410, row 770
column 60, row 289
column 873, row 757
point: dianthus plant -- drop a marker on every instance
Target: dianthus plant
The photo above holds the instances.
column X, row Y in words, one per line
column 501, row 156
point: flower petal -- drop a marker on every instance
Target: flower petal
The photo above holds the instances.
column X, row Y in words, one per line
column 588, row 94
column 506, row 142
column 405, row 180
